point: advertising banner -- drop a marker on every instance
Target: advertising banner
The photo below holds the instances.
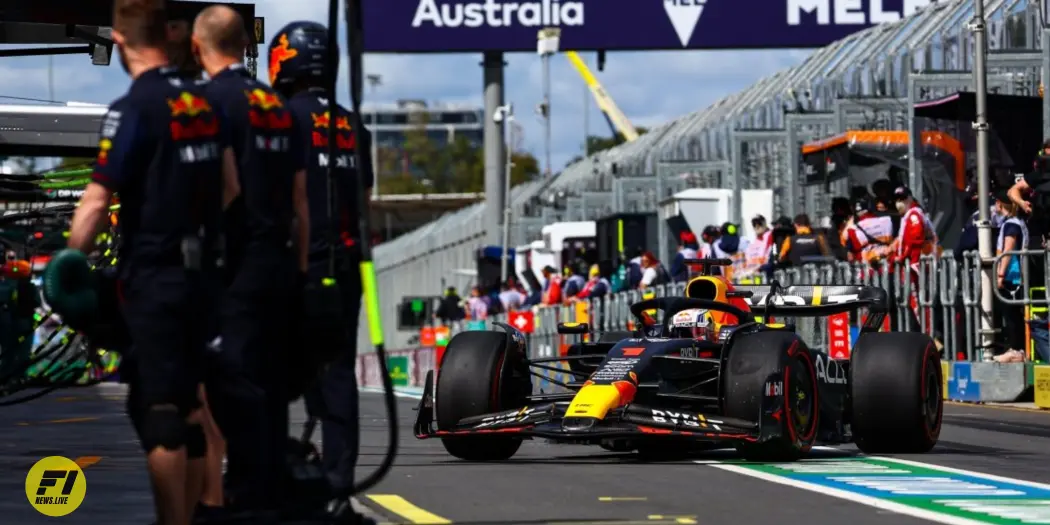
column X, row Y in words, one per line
column 445, row 26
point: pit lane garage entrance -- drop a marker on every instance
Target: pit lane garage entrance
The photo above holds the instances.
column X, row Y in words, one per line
column 876, row 161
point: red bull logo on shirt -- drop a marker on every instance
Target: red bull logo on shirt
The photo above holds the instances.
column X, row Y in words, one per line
column 188, row 105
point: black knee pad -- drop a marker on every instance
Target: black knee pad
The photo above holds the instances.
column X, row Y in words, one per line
column 161, row 427
column 196, row 443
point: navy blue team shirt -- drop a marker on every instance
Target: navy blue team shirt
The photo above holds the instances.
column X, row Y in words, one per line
column 310, row 108
column 269, row 148
column 161, row 150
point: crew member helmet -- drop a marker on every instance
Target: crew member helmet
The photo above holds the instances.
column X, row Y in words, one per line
column 299, row 51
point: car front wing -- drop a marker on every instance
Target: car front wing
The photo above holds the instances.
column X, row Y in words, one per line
column 546, row 421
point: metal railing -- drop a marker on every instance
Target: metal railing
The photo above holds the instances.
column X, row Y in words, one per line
column 940, row 296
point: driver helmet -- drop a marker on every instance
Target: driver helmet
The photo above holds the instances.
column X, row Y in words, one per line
column 695, row 323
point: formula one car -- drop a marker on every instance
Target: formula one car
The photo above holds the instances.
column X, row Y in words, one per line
column 709, row 374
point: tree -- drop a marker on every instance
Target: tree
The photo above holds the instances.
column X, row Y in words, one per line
column 426, row 166
column 596, row 143
column 74, row 162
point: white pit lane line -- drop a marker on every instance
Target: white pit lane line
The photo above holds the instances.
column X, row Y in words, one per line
column 398, row 393
column 874, row 502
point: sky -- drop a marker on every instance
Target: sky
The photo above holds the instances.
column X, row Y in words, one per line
column 649, row 87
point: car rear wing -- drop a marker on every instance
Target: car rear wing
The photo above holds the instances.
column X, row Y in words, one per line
column 813, row 301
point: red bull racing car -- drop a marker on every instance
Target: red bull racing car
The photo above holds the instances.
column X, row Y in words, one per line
column 702, row 371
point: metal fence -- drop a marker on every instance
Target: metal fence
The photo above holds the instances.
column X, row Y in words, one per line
column 941, row 297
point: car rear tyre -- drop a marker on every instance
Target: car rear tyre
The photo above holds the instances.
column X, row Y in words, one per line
column 897, row 391
column 479, row 374
column 752, row 359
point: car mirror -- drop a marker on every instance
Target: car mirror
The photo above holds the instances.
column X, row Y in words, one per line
column 573, row 328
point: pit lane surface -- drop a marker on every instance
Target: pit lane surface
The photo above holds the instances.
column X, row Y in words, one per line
column 547, row 483
column 542, row 484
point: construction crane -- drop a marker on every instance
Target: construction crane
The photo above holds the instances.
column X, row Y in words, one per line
column 618, row 122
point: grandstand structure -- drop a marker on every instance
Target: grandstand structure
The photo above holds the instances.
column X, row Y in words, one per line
column 748, row 140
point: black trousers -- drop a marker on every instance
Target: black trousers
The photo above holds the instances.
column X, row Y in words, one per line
column 334, row 397
column 246, row 383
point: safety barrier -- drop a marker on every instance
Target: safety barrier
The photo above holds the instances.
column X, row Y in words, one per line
column 939, row 296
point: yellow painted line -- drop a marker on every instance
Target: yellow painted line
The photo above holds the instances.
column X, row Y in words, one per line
column 997, row 407
column 673, row 519
column 66, row 399
column 407, row 510
column 59, row 421
column 87, row 461
column 622, row 498
column 73, row 420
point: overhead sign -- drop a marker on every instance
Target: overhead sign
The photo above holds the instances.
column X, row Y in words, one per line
column 444, row 26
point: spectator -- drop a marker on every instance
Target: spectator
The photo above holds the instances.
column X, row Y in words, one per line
column 1013, row 236
column 653, row 272
column 575, row 280
column 449, row 310
column 709, row 235
column 551, row 286
column 729, row 243
column 634, row 269
column 477, row 308
column 868, row 237
column 798, row 249
column 687, row 249
column 510, row 297
column 917, row 236
column 883, row 191
column 596, row 287
column 756, row 254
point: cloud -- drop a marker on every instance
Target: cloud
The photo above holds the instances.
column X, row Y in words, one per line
column 650, row 88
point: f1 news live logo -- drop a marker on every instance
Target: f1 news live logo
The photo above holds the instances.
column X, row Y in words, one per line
column 56, row 486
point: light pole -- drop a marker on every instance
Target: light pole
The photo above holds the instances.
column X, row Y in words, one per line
column 547, row 43
column 984, row 224
column 374, row 81
column 506, row 114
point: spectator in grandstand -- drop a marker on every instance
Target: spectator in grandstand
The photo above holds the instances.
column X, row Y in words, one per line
column 551, row 286
column 477, row 308
column 868, row 237
column 596, row 287
column 449, row 309
column 510, row 297
column 1012, row 236
column 653, row 272
column 805, row 245
column 687, row 249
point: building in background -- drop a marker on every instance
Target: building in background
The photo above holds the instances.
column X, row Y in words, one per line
column 443, row 122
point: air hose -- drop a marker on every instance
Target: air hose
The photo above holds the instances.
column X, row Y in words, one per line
column 355, row 50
